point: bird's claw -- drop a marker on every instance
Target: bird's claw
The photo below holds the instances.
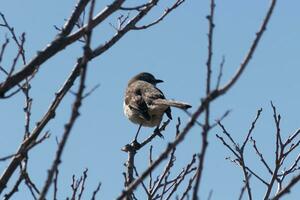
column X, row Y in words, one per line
column 135, row 144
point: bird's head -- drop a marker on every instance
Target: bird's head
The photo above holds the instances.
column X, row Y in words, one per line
column 145, row 76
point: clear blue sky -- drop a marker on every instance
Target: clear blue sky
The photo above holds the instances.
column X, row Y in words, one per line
column 174, row 50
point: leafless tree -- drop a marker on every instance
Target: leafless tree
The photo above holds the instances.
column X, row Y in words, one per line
column 167, row 184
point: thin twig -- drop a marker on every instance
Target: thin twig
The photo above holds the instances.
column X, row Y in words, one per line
column 220, row 72
column 167, row 11
column 96, row 191
column 287, row 188
column 83, row 183
column 262, row 159
column 3, row 47
column 75, row 109
column 243, row 189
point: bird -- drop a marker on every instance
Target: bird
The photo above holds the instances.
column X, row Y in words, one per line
column 144, row 104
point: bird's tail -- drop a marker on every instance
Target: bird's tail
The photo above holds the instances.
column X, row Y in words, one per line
column 172, row 103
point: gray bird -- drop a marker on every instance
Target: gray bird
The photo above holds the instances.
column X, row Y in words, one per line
column 145, row 104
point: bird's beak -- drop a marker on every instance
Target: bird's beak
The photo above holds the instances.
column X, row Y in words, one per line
column 158, row 81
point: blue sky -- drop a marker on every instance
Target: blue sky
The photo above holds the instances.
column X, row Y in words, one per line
column 175, row 50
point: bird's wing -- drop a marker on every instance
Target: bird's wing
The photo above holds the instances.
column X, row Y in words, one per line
column 136, row 103
column 151, row 94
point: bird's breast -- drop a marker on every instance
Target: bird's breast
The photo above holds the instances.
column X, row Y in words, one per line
column 155, row 112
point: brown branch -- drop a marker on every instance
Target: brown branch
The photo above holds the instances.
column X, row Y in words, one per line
column 130, row 167
column 69, row 25
column 6, row 157
column 39, row 141
column 262, row 159
column 164, row 189
column 206, row 126
column 20, row 53
column 58, row 44
column 187, row 170
column 27, row 108
column 220, row 72
column 167, row 11
column 220, row 119
column 15, row 187
column 3, row 47
column 131, row 149
column 288, row 188
column 68, row 128
column 257, row 176
column 279, row 144
column 83, row 184
column 292, row 137
column 75, row 186
column 236, row 146
column 251, row 129
column 246, row 176
column 292, row 168
column 278, row 153
column 229, row 147
column 150, row 163
column 55, row 183
column 167, row 169
column 31, row 186
column 188, row 188
column 62, row 41
column 153, row 135
column 75, row 109
column 91, row 91
column 129, row 26
column 143, row 185
column 50, row 114
column 252, row 48
column 20, row 44
column 239, row 153
column 243, row 189
column 96, row 191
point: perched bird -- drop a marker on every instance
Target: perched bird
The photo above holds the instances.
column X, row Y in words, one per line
column 145, row 104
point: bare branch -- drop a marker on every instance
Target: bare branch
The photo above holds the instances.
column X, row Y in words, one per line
column 167, row 11
column 3, row 47
column 236, row 146
column 243, row 190
column 15, row 188
column 165, row 172
column 150, row 138
column 228, row 146
column 252, row 49
column 189, row 187
column 69, row 25
column 251, row 129
column 58, row 44
column 14, row 37
column 185, row 172
column 288, row 188
column 206, row 126
column 96, row 191
column 262, row 159
column 83, row 183
column 55, row 183
column 75, row 109
column 143, row 185
column 6, row 157
column 220, row 72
